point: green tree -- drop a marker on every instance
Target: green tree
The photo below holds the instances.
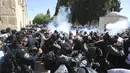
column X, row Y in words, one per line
column 41, row 19
column 48, row 13
column 88, row 10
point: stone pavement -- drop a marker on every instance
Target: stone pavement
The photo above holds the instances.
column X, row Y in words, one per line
column 40, row 67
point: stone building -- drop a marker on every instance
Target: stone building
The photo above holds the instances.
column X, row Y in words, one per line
column 13, row 14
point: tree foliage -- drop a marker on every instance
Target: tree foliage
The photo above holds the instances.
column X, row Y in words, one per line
column 48, row 13
column 41, row 19
column 85, row 11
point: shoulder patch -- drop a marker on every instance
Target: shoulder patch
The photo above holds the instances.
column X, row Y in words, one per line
column 26, row 55
column 22, row 49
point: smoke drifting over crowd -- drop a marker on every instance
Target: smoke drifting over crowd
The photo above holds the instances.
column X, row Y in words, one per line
column 61, row 23
column 118, row 27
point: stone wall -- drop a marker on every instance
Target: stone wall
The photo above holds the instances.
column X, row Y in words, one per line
column 7, row 7
column 7, row 12
column 8, row 25
column 12, row 14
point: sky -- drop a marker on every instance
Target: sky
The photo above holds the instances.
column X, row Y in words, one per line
column 41, row 6
column 125, row 4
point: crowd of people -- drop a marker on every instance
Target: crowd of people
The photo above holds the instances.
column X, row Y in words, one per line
column 81, row 53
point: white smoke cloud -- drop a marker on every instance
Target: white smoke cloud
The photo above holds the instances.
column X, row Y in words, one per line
column 61, row 21
column 94, row 29
column 117, row 27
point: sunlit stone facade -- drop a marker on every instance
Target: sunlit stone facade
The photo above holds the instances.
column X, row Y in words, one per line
column 13, row 14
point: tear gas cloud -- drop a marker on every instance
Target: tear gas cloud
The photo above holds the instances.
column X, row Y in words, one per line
column 61, row 23
column 117, row 27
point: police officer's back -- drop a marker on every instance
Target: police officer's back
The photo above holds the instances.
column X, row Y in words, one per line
column 21, row 53
column 5, row 62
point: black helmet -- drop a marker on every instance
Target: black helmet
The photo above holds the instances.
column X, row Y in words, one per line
column 10, row 39
column 3, row 31
column 8, row 29
column 13, row 31
column 106, row 37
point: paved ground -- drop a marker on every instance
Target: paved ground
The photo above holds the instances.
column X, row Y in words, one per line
column 40, row 68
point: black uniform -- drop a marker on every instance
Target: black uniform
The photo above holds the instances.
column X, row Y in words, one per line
column 32, row 42
column 5, row 62
column 23, row 57
column 126, row 46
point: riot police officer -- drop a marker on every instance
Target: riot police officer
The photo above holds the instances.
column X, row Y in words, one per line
column 4, row 56
column 21, row 53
